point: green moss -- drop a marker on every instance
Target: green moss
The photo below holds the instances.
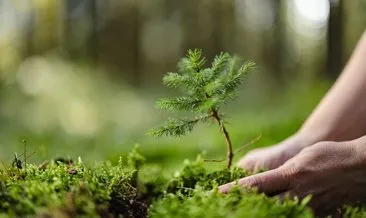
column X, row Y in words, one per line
column 72, row 189
column 192, row 192
column 133, row 189
column 356, row 212
column 194, row 174
column 237, row 203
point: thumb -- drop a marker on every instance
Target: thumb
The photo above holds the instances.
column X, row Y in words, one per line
column 271, row 182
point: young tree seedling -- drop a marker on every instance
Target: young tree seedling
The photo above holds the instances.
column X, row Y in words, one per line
column 206, row 91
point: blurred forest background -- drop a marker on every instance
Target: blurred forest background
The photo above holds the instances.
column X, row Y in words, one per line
column 79, row 77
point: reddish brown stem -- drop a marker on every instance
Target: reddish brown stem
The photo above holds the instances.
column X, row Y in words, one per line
column 229, row 147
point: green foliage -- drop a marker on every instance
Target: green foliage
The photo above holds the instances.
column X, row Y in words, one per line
column 192, row 192
column 71, row 189
column 177, row 127
column 357, row 212
column 189, row 194
column 152, row 181
column 135, row 159
column 206, row 89
column 106, row 190
column 237, row 203
column 195, row 175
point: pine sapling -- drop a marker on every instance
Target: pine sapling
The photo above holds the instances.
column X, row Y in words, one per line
column 206, row 91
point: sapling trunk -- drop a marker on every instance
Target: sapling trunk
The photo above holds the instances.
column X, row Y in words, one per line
column 229, row 147
column 206, row 91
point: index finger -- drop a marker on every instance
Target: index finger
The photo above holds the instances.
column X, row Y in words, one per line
column 271, row 182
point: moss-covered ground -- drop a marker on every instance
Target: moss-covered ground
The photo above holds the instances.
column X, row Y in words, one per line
column 64, row 188
column 111, row 180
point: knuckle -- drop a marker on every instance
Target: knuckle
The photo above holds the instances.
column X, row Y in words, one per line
column 308, row 154
column 250, row 160
column 249, row 182
column 246, row 164
column 258, row 166
column 307, row 150
column 253, row 153
column 295, row 169
column 323, row 145
column 316, row 152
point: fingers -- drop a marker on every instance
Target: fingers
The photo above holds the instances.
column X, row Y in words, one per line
column 255, row 160
column 267, row 158
column 271, row 182
column 247, row 163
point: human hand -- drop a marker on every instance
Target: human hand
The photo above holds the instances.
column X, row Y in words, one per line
column 276, row 155
column 333, row 173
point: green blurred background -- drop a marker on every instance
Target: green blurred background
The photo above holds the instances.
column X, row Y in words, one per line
column 80, row 77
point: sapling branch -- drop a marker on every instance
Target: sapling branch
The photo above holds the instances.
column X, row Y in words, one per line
column 238, row 150
column 214, row 160
column 206, row 89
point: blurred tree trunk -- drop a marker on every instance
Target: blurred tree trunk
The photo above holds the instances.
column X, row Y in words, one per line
column 199, row 28
column 80, row 30
column 335, row 39
column 68, row 42
column 188, row 26
column 29, row 33
column 279, row 48
column 217, row 20
column 137, row 77
column 93, row 46
column 229, row 28
column 119, row 42
column 274, row 44
column 354, row 23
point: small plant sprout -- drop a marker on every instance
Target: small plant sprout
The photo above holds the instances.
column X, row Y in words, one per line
column 17, row 162
column 206, row 91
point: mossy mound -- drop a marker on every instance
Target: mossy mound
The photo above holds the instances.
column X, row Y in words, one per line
column 64, row 189
column 58, row 189
column 192, row 192
column 235, row 204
